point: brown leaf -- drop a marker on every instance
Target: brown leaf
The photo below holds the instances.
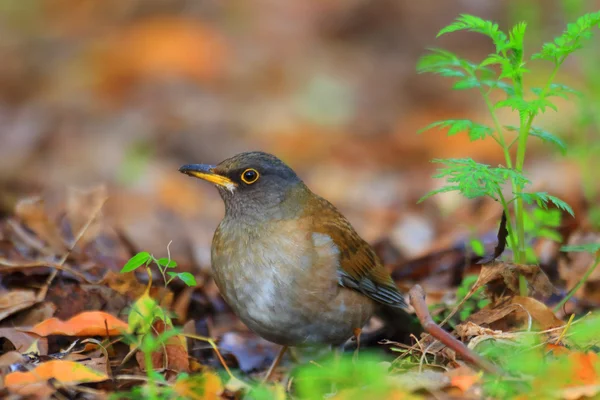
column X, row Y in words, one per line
column 12, row 357
column 34, row 391
column 501, row 276
column 469, row 329
column 16, row 300
column 32, row 212
column 515, row 313
column 22, row 341
column 36, row 314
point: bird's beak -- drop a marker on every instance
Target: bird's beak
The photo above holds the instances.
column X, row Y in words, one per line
column 206, row 172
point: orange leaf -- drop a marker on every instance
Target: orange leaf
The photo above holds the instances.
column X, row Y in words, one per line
column 557, row 349
column 584, row 368
column 204, row 386
column 90, row 323
column 60, row 370
column 464, row 382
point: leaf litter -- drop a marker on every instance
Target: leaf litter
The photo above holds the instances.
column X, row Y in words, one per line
column 508, row 318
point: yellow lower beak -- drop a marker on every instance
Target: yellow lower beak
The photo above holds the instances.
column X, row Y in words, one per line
column 206, row 172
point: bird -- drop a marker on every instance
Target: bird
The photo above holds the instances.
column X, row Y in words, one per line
column 286, row 261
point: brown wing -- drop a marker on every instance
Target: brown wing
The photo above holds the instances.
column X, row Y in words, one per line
column 360, row 268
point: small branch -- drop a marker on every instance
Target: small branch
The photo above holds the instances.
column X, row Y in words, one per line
column 417, row 299
column 12, row 266
column 44, row 290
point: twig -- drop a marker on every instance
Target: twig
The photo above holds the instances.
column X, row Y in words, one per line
column 212, row 344
column 417, row 300
column 11, row 266
column 42, row 294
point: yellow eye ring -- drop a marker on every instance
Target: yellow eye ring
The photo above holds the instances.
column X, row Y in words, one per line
column 250, row 176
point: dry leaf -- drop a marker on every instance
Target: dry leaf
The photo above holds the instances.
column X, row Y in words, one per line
column 506, row 276
column 516, row 313
column 469, row 329
column 23, row 341
column 32, row 212
column 12, row 357
column 34, row 391
column 16, row 300
column 36, row 314
column 205, row 386
column 66, row 372
column 580, row 392
column 89, row 323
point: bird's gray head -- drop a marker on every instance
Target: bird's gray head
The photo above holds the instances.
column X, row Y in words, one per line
column 252, row 184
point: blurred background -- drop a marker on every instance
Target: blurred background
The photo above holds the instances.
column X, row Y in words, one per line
column 124, row 92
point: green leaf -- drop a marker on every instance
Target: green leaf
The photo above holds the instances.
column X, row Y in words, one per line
column 549, row 138
column 571, row 40
column 467, row 83
column 479, row 25
column 587, row 248
column 542, row 199
column 526, row 107
column 557, row 90
column 551, row 234
column 447, row 188
column 516, row 36
column 476, row 131
column 136, row 261
column 186, row 277
column 445, row 63
column 473, row 179
column 543, row 135
column 165, row 262
column 477, row 247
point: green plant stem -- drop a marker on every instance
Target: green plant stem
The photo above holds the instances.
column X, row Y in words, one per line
column 152, row 392
column 525, row 127
column 579, row 284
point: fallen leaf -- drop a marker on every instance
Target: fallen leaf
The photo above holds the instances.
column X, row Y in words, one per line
column 463, row 378
column 515, row 313
column 205, row 386
column 32, row 212
column 12, row 357
column 544, row 316
column 34, row 391
column 469, row 329
column 16, row 300
column 66, row 372
column 36, row 314
column 90, row 323
column 580, row 392
column 584, row 366
column 23, row 341
column 501, row 276
column 557, row 349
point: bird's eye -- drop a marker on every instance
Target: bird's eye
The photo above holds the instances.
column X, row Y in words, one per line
column 250, row 176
